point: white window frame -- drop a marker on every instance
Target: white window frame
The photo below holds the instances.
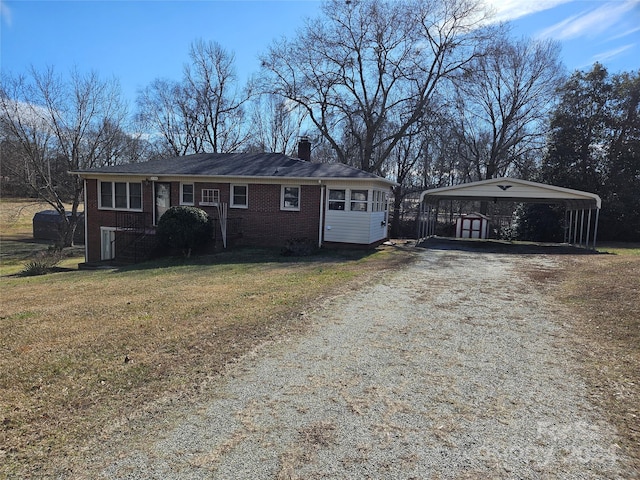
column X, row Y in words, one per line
column 232, row 188
column 283, row 205
column 193, row 194
column 353, row 201
column 379, row 203
column 342, row 201
column 113, row 196
column 213, row 193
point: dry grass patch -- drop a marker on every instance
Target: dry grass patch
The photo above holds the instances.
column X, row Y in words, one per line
column 603, row 292
column 16, row 215
column 17, row 245
column 82, row 351
column 606, row 294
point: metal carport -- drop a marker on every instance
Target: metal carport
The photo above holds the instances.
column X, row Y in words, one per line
column 582, row 209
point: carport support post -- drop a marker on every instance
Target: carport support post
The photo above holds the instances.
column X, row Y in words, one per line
column 575, row 229
column 595, row 228
column 427, row 222
column 588, row 227
column 433, row 219
column 581, row 226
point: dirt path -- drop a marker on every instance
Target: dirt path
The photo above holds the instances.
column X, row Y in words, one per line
column 451, row 368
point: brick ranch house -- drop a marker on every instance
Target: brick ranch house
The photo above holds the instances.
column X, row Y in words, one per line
column 264, row 199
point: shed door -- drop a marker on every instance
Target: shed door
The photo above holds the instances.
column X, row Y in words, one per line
column 471, row 228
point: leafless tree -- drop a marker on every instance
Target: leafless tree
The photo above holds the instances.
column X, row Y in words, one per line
column 503, row 101
column 365, row 65
column 211, row 82
column 55, row 125
column 404, row 162
column 204, row 112
column 165, row 111
column 275, row 124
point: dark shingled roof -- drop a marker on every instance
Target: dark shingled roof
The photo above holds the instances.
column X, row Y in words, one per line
column 237, row 165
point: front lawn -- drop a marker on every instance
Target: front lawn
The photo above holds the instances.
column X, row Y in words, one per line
column 83, row 352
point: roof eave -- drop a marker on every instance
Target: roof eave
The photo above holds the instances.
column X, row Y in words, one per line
column 453, row 193
column 225, row 178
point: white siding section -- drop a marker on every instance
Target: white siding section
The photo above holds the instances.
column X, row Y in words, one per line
column 378, row 227
column 347, row 227
column 355, row 227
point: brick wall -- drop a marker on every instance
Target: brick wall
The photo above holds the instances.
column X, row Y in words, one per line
column 107, row 218
column 261, row 224
column 93, row 221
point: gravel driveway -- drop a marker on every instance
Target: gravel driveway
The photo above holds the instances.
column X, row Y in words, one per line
column 454, row 367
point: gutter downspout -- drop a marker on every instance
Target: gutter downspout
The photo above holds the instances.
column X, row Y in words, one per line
column 321, row 226
column 86, row 223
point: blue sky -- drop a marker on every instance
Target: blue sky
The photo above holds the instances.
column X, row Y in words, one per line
column 137, row 41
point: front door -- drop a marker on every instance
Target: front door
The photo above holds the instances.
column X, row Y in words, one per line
column 162, row 199
column 107, row 244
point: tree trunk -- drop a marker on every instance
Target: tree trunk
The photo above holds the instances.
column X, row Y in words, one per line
column 395, row 221
column 68, row 231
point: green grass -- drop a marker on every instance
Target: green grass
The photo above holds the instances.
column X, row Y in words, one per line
column 619, row 248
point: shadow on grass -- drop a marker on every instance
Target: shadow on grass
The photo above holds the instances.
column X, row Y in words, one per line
column 17, row 253
column 248, row 255
column 503, row 247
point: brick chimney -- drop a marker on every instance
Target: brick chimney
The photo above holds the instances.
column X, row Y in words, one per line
column 304, row 149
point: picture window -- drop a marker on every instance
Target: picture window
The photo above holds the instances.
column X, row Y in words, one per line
column 120, row 196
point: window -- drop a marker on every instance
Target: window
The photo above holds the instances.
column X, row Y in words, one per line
column 135, row 196
column 239, row 197
column 106, row 195
column 359, row 200
column 186, row 194
column 337, row 199
column 120, row 196
column 379, row 201
column 290, row 198
column 210, row 196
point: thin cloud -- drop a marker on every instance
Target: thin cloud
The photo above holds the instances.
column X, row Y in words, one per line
column 625, row 33
column 29, row 114
column 589, row 23
column 5, row 14
column 506, row 10
column 608, row 55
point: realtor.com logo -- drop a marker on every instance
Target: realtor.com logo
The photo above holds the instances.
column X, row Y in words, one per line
column 558, row 443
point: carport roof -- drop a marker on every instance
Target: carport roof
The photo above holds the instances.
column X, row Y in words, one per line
column 515, row 190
